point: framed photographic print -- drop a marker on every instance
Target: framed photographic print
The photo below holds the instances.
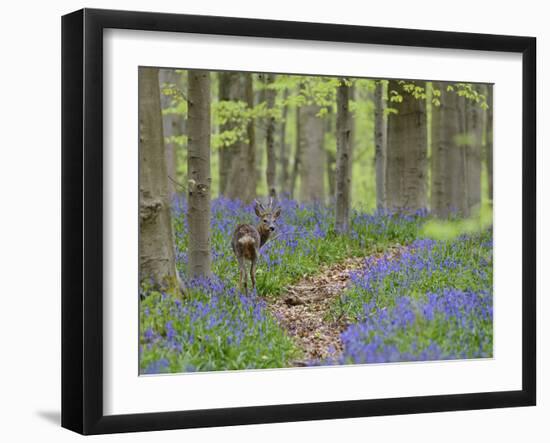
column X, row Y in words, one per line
column 269, row 221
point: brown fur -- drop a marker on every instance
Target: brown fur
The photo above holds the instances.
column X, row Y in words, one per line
column 248, row 239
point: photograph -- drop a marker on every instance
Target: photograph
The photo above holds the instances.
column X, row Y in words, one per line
column 295, row 220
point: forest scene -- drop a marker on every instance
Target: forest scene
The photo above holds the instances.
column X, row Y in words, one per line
column 300, row 221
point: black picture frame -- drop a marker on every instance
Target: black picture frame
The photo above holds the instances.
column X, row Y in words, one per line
column 82, row 218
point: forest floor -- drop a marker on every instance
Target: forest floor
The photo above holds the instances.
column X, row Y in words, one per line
column 304, row 309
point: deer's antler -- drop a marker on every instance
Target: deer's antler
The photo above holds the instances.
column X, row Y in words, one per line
column 259, row 204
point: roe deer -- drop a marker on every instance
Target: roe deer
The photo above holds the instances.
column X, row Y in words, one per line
column 248, row 239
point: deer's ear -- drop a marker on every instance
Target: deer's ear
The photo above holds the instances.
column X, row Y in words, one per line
column 257, row 209
column 277, row 212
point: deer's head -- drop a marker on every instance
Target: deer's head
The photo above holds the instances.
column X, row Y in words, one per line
column 268, row 216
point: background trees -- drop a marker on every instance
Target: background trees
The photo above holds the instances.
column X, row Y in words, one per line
column 312, row 154
column 380, row 142
column 448, row 174
column 489, row 140
column 230, row 91
column 406, row 167
column 397, row 145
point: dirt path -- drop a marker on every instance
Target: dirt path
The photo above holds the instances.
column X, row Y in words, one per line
column 303, row 310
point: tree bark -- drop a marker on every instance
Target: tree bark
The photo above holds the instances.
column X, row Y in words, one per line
column 156, row 242
column 489, row 140
column 380, row 143
column 474, row 131
column 241, row 181
column 343, row 163
column 250, row 146
column 171, row 124
column 230, row 89
column 331, row 173
column 297, row 156
column 448, row 154
column 330, row 127
column 198, row 167
column 353, row 93
column 271, row 169
column 312, row 155
column 406, row 153
column 284, row 182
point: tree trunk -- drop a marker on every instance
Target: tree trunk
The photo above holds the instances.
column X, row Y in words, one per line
column 156, row 243
column 343, row 163
column 448, row 153
column 489, row 140
column 312, row 155
column 250, row 146
column 171, row 124
column 331, row 173
column 271, row 169
column 284, row 184
column 241, row 180
column 198, row 167
column 380, row 143
column 474, row 132
column 330, row 124
column 406, row 153
column 230, row 89
column 297, row 156
column 353, row 93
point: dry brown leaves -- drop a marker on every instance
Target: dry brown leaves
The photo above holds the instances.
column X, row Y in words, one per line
column 303, row 309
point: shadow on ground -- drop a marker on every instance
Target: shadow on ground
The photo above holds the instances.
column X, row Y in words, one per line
column 54, row 417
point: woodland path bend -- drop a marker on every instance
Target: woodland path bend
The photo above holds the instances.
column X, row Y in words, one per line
column 303, row 309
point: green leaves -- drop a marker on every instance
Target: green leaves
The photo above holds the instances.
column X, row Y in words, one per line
column 232, row 117
column 466, row 90
column 413, row 89
column 471, row 93
column 178, row 100
column 395, row 97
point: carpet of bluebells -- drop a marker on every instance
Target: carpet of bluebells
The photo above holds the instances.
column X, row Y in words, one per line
column 432, row 301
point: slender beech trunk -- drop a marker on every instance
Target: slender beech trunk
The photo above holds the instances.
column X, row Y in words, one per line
column 331, row 173
column 330, row 126
column 448, row 174
column 474, row 131
column 241, row 180
column 230, row 89
column 171, row 125
column 198, row 167
column 312, row 155
column 297, row 156
column 406, row 153
column 343, row 161
column 380, row 143
column 489, row 140
column 156, row 242
column 353, row 93
column 284, row 182
column 249, row 188
column 271, row 170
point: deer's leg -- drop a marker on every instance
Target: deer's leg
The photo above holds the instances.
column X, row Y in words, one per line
column 242, row 272
column 245, row 276
column 253, row 273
